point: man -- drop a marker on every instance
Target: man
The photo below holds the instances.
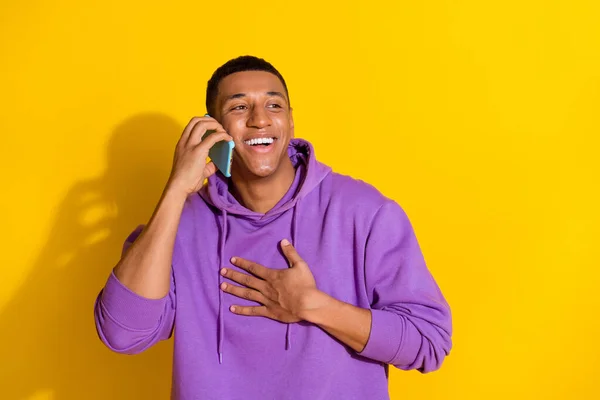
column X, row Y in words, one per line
column 286, row 281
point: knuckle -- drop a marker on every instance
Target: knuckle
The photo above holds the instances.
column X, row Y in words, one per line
column 247, row 294
column 276, row 278
column 273, row 294
column 189, row 127
column 196, row 151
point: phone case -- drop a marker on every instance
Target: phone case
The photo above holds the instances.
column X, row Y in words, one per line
column 221, row 154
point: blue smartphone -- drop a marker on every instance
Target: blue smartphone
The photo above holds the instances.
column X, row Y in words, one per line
column 221, row 154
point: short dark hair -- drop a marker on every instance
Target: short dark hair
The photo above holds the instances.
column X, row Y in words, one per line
column 239, row 64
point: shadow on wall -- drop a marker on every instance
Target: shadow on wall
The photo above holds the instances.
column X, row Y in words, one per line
column 48, row 341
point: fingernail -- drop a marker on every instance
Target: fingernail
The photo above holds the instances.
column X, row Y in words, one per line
column 232, row 308
column 223, row 286
column 223, row 271
column 206, row 115
column 285, row 242
column 233, row 260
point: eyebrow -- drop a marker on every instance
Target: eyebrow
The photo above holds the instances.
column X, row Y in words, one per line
column 240, row 95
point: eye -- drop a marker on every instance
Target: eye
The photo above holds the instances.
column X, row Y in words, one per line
column 240, row 107
column 275, row 105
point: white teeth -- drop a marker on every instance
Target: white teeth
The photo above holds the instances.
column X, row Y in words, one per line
column 254, row 142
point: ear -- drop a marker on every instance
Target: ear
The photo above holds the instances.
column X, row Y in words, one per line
column 292, row 121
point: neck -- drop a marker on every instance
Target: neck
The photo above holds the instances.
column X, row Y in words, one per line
column 261, row 194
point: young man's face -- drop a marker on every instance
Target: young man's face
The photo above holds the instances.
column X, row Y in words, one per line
column 253, row 108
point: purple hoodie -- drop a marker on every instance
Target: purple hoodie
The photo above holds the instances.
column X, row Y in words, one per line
column 361, row 249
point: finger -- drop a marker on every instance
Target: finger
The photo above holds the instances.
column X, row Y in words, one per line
column 244, row 293
column 213, row 138
column 190, row 126
column 256, row 311
column 202, row 149
column 290, row 253
column 209, row 169
column 244, row 279
column 200, row 129
column 252, row 267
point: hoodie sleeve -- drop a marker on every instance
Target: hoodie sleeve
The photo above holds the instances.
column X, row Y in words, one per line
column 127, row 322
column 411, row 324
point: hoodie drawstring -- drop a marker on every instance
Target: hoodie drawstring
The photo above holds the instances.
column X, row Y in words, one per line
column 288, row 332
column 221, row 329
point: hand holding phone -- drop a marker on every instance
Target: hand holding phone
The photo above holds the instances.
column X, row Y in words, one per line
column 190, row 168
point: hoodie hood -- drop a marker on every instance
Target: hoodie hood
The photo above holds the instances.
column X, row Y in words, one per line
column 309, row 171
column 309, row 174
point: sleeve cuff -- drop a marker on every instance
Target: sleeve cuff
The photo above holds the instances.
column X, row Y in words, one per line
column 393, row 340
column 130, row 309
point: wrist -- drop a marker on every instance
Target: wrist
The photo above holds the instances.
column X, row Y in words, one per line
column 175, row 192
column 313, row 304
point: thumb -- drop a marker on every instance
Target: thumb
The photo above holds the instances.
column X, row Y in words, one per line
column 209, row 170
column 290, row 253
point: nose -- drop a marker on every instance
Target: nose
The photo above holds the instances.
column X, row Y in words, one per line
column 259, row 118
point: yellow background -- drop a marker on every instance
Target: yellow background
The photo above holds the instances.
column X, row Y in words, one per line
column 480, row 118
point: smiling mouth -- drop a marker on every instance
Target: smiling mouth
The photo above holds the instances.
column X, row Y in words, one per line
column 265, row 142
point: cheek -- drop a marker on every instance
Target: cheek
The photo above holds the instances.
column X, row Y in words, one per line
column 282, row 126
column 234, row 126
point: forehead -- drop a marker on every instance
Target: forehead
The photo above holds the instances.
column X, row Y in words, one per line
column 250, row 82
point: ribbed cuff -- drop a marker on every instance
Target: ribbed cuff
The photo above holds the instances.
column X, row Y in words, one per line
column 130, row 309
column 393, row 340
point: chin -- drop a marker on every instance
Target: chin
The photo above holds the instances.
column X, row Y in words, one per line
column 263, row 171
column 261, row 167
column 260, row 170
